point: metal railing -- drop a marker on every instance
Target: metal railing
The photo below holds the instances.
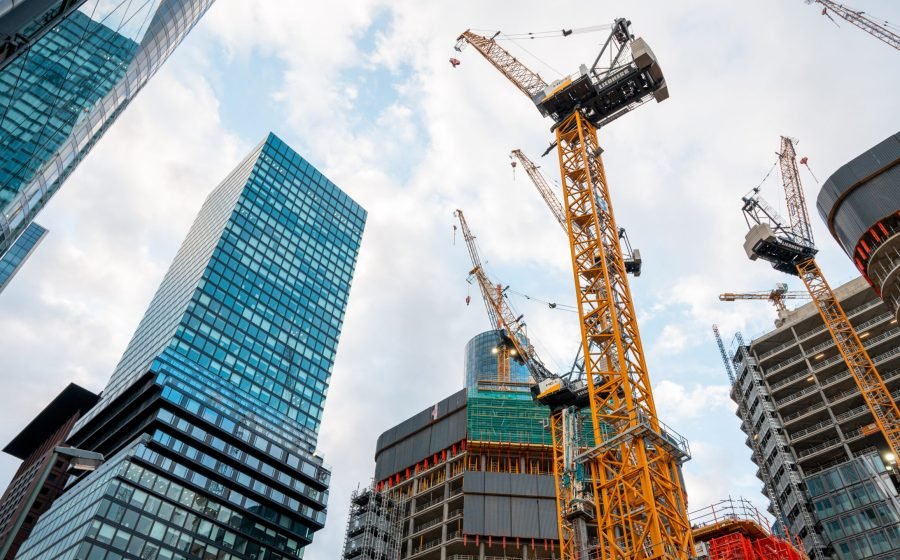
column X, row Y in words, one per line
column 427, row 525
column 821, row 447
column 796, row 395
column 814, row 428
column 788, row 380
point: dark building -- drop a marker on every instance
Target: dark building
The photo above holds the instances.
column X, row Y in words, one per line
column 45, row 459
column 209, row 422
column 860, row 202
column 67, row 71
column 830, row 466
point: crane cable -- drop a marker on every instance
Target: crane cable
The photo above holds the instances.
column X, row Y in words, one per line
column 549, row 304
column 549, row 34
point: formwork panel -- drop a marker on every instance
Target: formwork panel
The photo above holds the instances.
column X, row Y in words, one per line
column 473, row 515
column 525, row 521
column 473, row 482
column 546, row 486
column 497, row 483
column 547, row 519
column 523, row 485
column 497, row 515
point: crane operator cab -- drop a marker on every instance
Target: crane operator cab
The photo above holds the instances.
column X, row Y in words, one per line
column 606, row 93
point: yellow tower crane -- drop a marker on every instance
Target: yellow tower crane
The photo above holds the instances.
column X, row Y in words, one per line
column 790, row 249
column 641, row 509
column 563, row 394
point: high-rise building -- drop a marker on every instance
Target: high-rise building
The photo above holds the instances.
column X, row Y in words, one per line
column 22, row 22
column 64, row 89
column 209, row 422
column 830, row 467
column 19, row 251
column 860, row 202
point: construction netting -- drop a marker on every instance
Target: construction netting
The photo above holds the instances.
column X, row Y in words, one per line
column 505, row 417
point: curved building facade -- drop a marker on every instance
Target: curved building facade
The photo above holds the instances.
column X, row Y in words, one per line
column 860, row 203
column 481, row 364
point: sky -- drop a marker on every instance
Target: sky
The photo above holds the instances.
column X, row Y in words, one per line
column 364, row 90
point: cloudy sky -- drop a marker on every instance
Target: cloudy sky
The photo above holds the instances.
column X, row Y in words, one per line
column 364, row 90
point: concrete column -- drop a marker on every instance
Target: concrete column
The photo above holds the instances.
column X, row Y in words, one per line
column 525, row 552
column 481, row 549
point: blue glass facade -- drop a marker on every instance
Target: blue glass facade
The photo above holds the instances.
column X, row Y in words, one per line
column 481, row 361
column 216, row 403
column 62, row 92
column 21, row 248
column 856, row 503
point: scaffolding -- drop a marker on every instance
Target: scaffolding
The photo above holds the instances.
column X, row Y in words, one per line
column 374, row 525
column 735, row 530
column 782, row 453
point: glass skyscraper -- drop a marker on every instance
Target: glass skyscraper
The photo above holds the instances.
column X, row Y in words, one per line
column 12, row 260
column 210, row 420
column 62, row 91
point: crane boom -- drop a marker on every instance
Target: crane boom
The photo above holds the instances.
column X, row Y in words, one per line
column 632, row 257
column 502, row 316
column 528, row 82
column 571, row 527
column 544, row 188
column 793, row 191
column 860, row 20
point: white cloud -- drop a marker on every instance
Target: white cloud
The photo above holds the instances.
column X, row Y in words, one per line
column 676, row 402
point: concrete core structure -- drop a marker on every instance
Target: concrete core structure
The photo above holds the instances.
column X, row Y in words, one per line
column 860, row 202
column 829, row 463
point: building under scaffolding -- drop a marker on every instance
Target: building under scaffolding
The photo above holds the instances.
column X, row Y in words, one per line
column 373, row 526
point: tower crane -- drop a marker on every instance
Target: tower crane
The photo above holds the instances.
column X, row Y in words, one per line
column 861, row 20
column 641, row 509
column 631, row 257
column 791, row 249
column 563, row 394
column 777, row 296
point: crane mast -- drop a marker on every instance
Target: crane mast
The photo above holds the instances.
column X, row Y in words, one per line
column 790, row 251
column 860, row 20
column 641, row 509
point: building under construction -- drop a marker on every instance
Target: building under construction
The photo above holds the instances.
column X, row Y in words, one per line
column 470, row 477
column 831, row 472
